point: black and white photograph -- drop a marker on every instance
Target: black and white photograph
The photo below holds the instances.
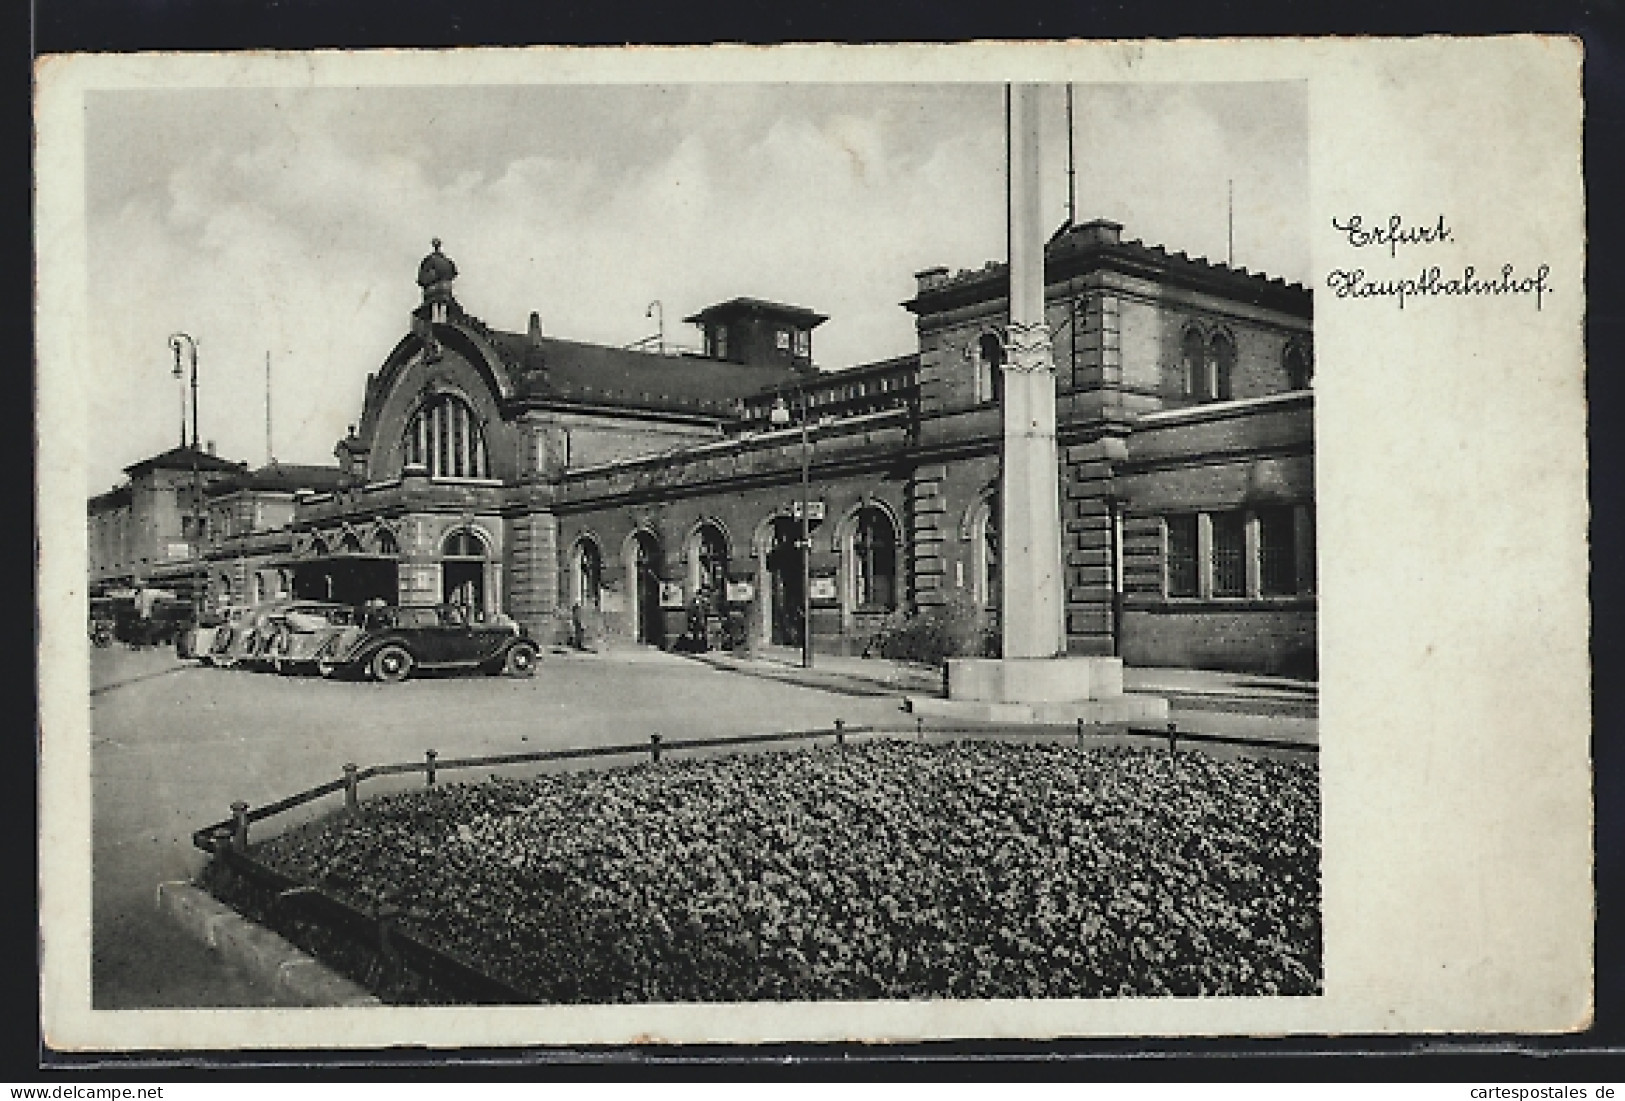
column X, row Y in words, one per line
column 832, row 545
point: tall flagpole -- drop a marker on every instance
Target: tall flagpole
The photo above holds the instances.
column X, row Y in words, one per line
column 1032, row 609
column 1230, row 225
column 270, row 452
column 1071, row 166
column 1035, row 679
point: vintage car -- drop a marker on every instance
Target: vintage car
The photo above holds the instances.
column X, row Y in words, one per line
column 297, row 632
column 242, row 639
column 103, row 620
column 389, row 644
column 149, row 617
column 196, row 641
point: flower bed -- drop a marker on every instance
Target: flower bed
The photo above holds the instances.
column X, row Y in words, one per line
column 877, row 870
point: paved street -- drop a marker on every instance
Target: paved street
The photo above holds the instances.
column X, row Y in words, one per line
column 173, row 744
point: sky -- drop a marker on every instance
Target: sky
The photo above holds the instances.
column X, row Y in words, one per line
column 288, row 223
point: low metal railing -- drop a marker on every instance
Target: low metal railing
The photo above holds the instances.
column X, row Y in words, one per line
column 234, row 830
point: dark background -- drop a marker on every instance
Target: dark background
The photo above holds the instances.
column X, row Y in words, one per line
column 53, row 26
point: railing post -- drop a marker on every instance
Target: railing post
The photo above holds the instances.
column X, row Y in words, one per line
column 1173, row 734
column 840, row 731
column 386, row 928
column 1080, row 731
column 351, row 803
column 239, row 828
column 919, row 727
column 429, row 756
column 654, row 749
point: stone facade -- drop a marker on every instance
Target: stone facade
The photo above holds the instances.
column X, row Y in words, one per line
column 558, row 481
column 151, row 529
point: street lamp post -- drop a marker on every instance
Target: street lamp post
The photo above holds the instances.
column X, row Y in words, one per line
column 779, row 416
column 658, row 312
column 178, row 342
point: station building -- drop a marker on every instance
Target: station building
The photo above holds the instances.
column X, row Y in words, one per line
column 552, row 479
column 534, row 475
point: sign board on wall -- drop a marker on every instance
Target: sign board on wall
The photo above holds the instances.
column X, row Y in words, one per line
column 815, row 510
column 741, row 592
column 418, row 579
column 671, row 594
column 823, row 589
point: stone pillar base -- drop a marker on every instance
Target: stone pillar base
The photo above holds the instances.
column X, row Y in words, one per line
column 1034, row 680
column 1040, row 690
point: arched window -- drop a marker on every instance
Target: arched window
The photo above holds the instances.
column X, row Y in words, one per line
column 385, row 542
column 988, row 574
column 708, row 558
column 463, row 543
column 1300, row 368
column 989, row 359
column 1221, row 363
column 350, row 544
column 444, row 436
column 1191, row 380
column 587, row 577
column 874, row 561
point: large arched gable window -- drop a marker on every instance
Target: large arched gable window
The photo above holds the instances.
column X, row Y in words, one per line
column 874, row 561
column 444, row 436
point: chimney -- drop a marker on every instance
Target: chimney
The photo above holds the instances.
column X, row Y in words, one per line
column 534, row 334
column 929, row 279
column 209, row 447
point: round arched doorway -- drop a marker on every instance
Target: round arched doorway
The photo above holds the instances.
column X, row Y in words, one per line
column 786, row 621
column 462, row 570
column 586, row 574
column 643, row 583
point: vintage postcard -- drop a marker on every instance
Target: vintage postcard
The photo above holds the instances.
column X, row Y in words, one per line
column 560, row 547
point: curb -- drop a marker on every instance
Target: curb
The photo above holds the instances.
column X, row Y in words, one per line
column 847, row 684
column 256, row 950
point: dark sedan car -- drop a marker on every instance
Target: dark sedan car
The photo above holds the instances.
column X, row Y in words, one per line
column 388, row 644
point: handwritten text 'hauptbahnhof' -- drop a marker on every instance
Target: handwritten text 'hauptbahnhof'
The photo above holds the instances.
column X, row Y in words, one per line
column 1430, row 281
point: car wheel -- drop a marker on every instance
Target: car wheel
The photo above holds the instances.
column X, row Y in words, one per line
column 521, row 660
column 391, row 665
column 327, row 669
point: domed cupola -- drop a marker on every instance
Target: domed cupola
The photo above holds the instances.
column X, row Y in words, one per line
column 435, row 275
